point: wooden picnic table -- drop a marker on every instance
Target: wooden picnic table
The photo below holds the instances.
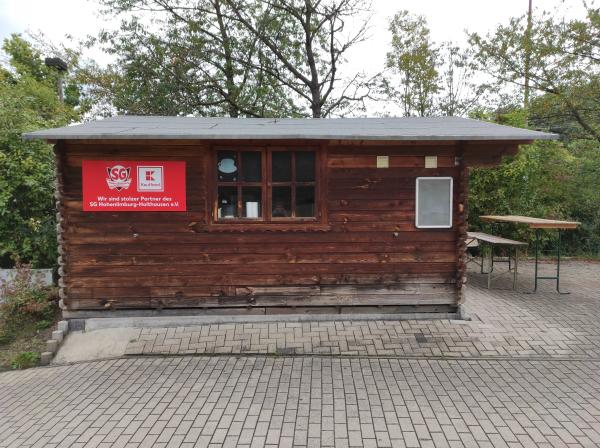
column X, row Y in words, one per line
column 493, row 240
column 538, row 224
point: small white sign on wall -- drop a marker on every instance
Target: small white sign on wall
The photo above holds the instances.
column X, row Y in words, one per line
column 431, row 162
column 383, row 161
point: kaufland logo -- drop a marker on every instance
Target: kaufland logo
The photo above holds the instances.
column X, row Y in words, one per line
column 150, row 178
column 118, row 177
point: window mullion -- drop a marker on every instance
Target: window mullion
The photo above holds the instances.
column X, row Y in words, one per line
column 268, row 185
column 293, row 185
column 263, row 185
column 239, row 185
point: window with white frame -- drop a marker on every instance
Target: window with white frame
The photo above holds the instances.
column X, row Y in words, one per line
column 434, row 203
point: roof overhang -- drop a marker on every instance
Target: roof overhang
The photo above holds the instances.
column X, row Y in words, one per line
column 405, row 129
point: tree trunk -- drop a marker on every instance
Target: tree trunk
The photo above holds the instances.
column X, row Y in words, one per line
column 528, row 56
column 230, row 86
column 315, row 92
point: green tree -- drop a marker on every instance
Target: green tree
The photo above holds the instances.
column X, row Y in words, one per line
column 555, row 57
column 259, row 58
column 459, row 92
column 426, row 78
column 548, row 179
column 415, row 59
column 308, row 42
column 553, row 64
column 28, row 101
column 549, row 111
column 184, row 60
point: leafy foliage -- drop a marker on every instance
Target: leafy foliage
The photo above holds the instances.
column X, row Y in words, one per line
column 560, row 60
column 547, row 179
column 256, row 58
column 24, row 294
column 24, row 298
column 25, row 360
column 415, row 59
column 188, row 60
column 426, row 78
column 28, row 101
column 550, row 179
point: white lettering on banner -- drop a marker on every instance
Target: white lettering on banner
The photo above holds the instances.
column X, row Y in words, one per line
column 125, row 185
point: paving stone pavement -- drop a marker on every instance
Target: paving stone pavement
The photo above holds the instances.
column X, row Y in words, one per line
column 410, row 398
column 258, row 401
column 504, row 324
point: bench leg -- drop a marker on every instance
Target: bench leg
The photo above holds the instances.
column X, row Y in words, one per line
column 491, row 266
column 516, row 269
column 537, row 242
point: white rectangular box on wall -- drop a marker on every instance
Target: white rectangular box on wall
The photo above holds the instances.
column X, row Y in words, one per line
column 434, row 202
column 431, row 162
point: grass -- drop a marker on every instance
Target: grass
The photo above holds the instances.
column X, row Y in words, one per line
column 28, row 337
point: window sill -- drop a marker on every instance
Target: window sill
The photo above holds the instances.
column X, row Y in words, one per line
column 257, row 227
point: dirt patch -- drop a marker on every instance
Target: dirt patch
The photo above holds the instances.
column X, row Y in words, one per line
column 28, row 338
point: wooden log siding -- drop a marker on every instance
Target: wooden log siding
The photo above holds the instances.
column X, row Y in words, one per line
column 59, row 194
column 368, row 252
column 462, row 214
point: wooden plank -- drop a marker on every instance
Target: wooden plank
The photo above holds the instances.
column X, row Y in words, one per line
column 533, row 223
column 386, row 173
column 274, row 301
column 395, row 161
column 276, row 239
column 101, row 253
column 263, row 279
column 394, row 150
column 493, row 239
column 274, row 269
column 398, row 144
column 286, row 257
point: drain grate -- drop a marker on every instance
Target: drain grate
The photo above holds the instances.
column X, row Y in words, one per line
column 286, row 351
column 420, row 337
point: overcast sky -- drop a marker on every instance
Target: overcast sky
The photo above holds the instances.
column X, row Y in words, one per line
column 448, row 20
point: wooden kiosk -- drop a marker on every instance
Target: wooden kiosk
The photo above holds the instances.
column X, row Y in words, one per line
column 261, row 216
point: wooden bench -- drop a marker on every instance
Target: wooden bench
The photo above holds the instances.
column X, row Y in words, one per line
column 475, row 238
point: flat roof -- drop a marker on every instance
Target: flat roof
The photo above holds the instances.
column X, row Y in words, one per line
column 193, row 128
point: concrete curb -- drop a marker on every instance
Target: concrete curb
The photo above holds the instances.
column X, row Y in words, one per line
column 53, row 344
column 91, row 324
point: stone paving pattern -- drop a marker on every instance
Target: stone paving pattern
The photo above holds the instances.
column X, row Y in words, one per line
column 504, row 323
column 550, row 399
column 302, row 401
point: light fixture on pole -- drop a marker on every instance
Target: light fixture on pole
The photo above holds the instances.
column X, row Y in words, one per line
column 61, row 67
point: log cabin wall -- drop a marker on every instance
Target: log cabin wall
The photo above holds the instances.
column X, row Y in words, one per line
column 366, row 252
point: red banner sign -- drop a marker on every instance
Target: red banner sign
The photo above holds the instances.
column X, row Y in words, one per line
column 133, row 186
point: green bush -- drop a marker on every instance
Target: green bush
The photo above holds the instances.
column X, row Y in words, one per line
column 25, row 360
column 25, row 299
column 6, row 336
column 24, row 295
column 43, row 324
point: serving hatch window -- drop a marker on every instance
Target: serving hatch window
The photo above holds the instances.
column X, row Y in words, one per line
column 434, row 202
column 266, row 185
